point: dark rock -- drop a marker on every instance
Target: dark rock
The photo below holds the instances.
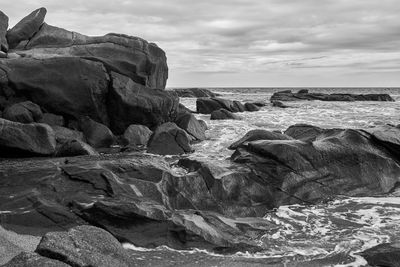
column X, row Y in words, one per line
column 63, row 134
column 143, row 62
column 259, row 134
column 208, row 105
column 203, row 124
column 61, row 85
column 195, row 92
column 137, row 134
column 191, row 125
column 84, row 246
column 289, row 96
column 251, row 107
column 74, row 147
column 3, row 32
column 31, row 259
column 97, row 135
column 26, row 28
column 26, row 139
column 238, row 107
column 132, row 103
column 259, row 103
column 169, row 139
column 278, row 104
column 303, row 91
column 52, row 119
column 223, row 114
column 3, row 54
column 24, row 112
column 323, row 163
column 387, row 254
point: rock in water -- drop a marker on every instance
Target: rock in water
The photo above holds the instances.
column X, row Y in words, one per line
column 223, row 114
column 84, row 246
column 132, row 103
column 24, row 112
column 251, row 107
column 278, row 104
column 192, row 126
column 169, row 139
column 31, row 259
column 195, row 92
column 96, row 134
column 17, row 139
column 383, row 255
column 137, row 134
column 3, row 32
column 26, row 28
column 258, row 134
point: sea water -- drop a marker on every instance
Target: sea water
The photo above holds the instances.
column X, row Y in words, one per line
column 329, row 234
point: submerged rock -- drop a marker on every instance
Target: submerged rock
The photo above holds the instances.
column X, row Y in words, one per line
column 26, row 28
column 223, row 114
column 17, row 139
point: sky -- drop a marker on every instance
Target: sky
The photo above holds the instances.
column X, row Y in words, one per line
column 248, row 43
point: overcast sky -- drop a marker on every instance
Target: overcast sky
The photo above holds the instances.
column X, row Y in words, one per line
column 248, row 42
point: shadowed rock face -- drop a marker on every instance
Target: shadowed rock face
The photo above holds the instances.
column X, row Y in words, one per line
column 383, row 255
column 324, row 163
column 208, row 105
column 287, row 95
column 3, row 32
column 31, row 259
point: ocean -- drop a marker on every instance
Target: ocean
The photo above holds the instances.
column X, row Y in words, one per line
column 328, row 234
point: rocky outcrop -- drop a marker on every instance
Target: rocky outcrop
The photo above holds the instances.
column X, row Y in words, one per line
column 323, row 163
column 3, row 32
column 208, row 105
column 223, row 114
column 24, row 112
column 26, row 28
column 17, row 139
column 287, row 95
column 137, row 135
column 387, row 254
column 195, row 92
column 169, row 139
column 132, row 103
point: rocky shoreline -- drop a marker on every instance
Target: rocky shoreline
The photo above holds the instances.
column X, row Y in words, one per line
column 85, row 122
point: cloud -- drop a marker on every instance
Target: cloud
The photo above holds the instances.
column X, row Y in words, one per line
column 281, row 38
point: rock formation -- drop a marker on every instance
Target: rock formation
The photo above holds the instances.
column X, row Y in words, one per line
column 208, row 105
column 195, row 92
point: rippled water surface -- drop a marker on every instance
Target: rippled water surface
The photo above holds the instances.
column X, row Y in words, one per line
column 329, row 234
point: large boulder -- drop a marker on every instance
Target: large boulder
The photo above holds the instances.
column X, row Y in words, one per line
column 24, row 112
column 132, row 103
column 324, row 163
column 17, row 139
column 208, row 105
column 63, row 134
column 69, row 86
column 26, row 28
column 169, row 139
column 191, row 125
column 84, row 246
column 137, row 135
column 251, row 107
column 31, row 259
column 3, row 32
column 223, row 114
column 97, row 135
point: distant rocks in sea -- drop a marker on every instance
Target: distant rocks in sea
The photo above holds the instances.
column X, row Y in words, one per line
column 195, row 92
column 303, row 94
column 208, row 105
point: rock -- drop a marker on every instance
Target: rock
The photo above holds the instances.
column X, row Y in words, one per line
column 63, row 134
column 323, row 163
column 74, row 147
column 61, row 85
column 24, row 112
column 238, row 107
column 259, row 103
column 169, row 139
column 84, row 246
column 97, row 135
column 3, row 54
column 287, row 95
column 145, row 63
column 208, row 105
column 26, row 28
column 223, row 114
column 31, row 259
column 192, row 126
column 137, row 134
column 17, row 139
column 132, row 103
column 387, row 254
column 52, row 119
column 203, row 124
column 303, row 91
column 195, row 92
column 278, row 104
column 3, row 32
column 251, row 107
column 258, row 134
